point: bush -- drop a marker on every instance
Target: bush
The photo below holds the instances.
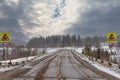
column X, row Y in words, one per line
column 34, row 54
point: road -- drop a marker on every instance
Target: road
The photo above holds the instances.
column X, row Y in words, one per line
column 63, row 65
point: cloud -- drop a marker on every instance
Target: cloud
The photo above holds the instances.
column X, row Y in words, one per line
column 51, row 17
column 33, row 18
column 101, row 17
column 10, row 13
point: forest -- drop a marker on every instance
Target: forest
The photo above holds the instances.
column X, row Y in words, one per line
column 65, row 41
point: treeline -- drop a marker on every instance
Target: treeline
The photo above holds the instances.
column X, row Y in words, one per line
column 64, row 41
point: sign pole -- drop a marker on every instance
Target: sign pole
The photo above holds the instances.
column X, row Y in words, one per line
column 5, row 39
column 110, row 47
column 111, row 38
column 3, row 52
column 9, row 55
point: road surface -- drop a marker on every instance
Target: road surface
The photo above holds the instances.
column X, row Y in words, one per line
column 63, row 65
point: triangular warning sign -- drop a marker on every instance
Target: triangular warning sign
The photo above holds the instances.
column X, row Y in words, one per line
column 5, row 38
column 111, row 37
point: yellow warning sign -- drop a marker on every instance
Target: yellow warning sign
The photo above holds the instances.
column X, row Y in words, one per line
column 4, row 37
column 111, row 37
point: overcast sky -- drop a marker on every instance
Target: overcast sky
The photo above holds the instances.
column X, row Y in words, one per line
column 25, row 19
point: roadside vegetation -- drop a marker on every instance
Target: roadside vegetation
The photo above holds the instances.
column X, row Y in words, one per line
column 100, row 55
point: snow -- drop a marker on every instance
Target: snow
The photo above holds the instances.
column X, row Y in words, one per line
column 3, row 69
column 9, row 50
column 6, row 68
column 107, row 70
column 95, row 64
column 105, row 47
column 102, row 68
column 18, row 60
column 49, row 52
column 79, row 50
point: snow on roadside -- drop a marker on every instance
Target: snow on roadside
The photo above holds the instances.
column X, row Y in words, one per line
column 101, row 67
column 48, row 53
column 79, row 50
column 6, row 68
column 49, row 50
column 3, row 69
column 18, row 60
column 107, row 70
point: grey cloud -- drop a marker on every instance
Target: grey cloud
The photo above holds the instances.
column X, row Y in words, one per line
column 13, row 13
column 9, row 23
column 96, row 22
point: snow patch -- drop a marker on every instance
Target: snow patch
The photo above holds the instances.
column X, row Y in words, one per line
column 7, row 68
column 18, row 60
column 107, row 70
column 79, row 50
column 102, row 68
column 3, row 69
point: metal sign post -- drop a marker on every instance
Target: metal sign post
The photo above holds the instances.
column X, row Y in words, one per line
column 5, row 39
column 3, row 52
column 111, row 38
column 110, row 47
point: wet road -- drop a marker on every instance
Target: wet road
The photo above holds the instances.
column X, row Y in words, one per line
column 66, row 67
column 63, row 65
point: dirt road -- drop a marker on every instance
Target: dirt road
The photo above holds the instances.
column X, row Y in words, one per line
column 63, row 65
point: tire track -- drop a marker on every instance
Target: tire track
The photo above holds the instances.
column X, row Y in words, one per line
column 43, row 70
column 103, row 75
column 76, row 67
column 20, row 72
